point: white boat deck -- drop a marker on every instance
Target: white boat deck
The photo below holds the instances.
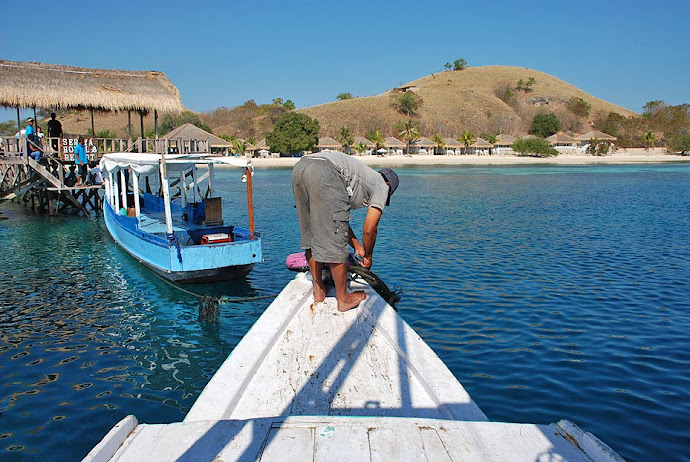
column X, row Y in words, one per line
column 309, row 383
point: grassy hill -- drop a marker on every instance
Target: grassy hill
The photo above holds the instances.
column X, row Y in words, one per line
column 451, row 101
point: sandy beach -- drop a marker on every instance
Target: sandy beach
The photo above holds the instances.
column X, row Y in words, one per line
column 621, row 156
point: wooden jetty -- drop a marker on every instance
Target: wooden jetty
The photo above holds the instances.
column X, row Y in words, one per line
column 310, row 383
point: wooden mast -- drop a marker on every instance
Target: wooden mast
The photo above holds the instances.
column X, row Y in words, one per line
column 250, row 200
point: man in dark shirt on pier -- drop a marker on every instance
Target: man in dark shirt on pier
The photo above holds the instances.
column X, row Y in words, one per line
column 54, row 131
column 327, row 185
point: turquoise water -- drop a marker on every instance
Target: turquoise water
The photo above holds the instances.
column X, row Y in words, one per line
column 550, row 292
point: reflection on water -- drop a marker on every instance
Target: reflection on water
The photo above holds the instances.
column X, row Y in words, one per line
column 550, row 292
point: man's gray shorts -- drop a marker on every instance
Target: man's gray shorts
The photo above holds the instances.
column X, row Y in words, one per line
column 323, row 209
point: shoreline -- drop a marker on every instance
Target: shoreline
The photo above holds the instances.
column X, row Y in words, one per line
column 632, row 156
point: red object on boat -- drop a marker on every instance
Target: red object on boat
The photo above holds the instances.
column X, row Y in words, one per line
column 216, row 238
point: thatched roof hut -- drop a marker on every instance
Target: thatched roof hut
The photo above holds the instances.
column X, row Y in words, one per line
column 561, row 139
column 392, row 142
column 192, row 132
column 364, row 141
column 26, row 85
column 423, row 142
column 452, row 143
column 596, row 134
column 328, row 143
column 481, row 143
column 504, row 139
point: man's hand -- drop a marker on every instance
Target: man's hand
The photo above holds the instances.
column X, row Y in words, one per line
column 366, row 263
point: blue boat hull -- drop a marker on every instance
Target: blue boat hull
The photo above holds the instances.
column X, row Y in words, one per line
column 185, row 263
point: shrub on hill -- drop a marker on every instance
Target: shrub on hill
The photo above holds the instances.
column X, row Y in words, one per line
column 579, row 106
column 545, row 125
column 538, row 147
column 344, row 96
column 408, row 103
column 294, row 132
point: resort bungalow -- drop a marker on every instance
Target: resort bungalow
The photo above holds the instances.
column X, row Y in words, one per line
column 394, row 145
column 422, row 146
column 504, row 144
column 562, row 142
column 328, row 144
column 451, row 146
column 583, row 140
column 480, row 147
column 186, row 137
column 261, row 149
column 370, row 146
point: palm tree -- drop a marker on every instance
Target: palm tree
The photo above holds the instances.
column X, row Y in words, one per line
column 467, row 138
column 493, row 139
column 649, row 139
column 408, row 130
column 360, row 148
column 345, row 137
column 239, row 146
column 377, row 138
column 438, row 139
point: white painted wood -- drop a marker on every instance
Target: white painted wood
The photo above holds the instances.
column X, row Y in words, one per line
column 135, row 188
column 312, row 360
column 344, row 443
column 166, row 195
column 110, row 443
column 289, row 444
column 123, row 189
column 309, row 383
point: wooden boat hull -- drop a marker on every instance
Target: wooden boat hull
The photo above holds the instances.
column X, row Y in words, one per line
column 183, row 263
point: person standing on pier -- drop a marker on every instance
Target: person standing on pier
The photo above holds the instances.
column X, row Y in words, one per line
column 327, row 185
column 54, row 131
column 32, row 147
column 80, row 160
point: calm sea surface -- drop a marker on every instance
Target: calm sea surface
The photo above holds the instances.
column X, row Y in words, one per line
column 550, row 292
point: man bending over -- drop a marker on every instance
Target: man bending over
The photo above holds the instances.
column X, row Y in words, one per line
column 327, row 185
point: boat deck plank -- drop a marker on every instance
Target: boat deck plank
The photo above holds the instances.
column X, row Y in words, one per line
column 357, row 439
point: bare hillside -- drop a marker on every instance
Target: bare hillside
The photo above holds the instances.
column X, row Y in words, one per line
column 453, row 101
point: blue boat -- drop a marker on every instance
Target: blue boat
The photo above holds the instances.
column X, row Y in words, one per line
column 182, row 236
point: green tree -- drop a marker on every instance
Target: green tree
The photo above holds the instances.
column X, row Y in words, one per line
column 545, row 125
column 681, row 143
column 360, row 148
column 649, row 138
column 408, row 130
column 651, row 107
column 534, row 147
column 277, row 101
column 171, row 120
column 460, row 64
column 345, row 137
column 579, row 106
column 529, row 84
column 448, row 66
column 408, row 103
column 438, row 139
column 377, row 138
column 239, row 146
column 8, row 128
column 467, row 138
column 597, row 147
column 491, row 138
column 344, row 96
column 294, row 132
column 289, row 105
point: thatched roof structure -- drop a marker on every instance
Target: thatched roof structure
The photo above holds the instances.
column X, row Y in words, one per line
column 27, row 85
column 391, row 142
column 481, row 143
column 364, row 141
column 192, row 132
column 452, row 143
column 423, row 142
column 504, row 139
column 596, row 134
column 328, row 143
column 261, row 145
column 561, row 138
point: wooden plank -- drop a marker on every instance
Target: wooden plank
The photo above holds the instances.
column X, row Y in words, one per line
column 433, row 446
column 396, row 444
column 343, row 442
column 289, row 444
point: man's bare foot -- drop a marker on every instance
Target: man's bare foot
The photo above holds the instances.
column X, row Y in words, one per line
column 319, row 292
column 351, row 301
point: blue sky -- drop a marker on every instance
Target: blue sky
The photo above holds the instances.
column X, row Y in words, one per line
column 225, row 53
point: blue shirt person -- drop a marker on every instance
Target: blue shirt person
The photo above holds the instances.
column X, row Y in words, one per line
column 32, row 140
column 80, row 160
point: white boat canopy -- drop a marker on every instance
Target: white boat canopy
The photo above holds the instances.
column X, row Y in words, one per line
column 147, row 164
